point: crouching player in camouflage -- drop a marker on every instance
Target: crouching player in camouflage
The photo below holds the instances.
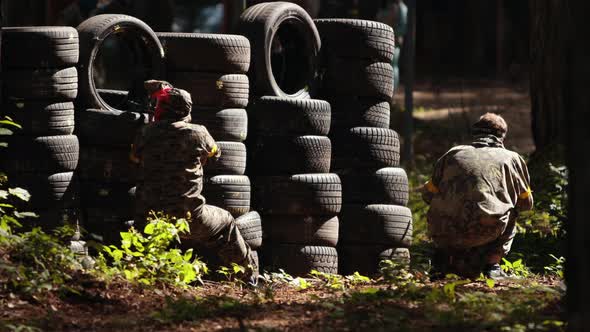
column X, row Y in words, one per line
column 171, row 153
column 475, row 194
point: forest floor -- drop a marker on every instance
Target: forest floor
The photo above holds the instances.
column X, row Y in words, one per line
column 532, row 304
column 398, row 301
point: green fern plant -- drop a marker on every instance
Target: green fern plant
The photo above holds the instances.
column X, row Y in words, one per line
column 149, row 258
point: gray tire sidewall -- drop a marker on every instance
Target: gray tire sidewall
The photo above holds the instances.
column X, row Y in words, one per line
column 302, row 93
column 88, row 91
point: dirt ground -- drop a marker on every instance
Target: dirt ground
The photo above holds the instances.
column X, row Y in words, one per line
column 120, row 306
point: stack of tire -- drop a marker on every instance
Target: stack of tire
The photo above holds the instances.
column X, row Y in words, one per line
column 40, row 83
column 106, row 133
column 290, row 151
column 212, row 68
column 357, row 79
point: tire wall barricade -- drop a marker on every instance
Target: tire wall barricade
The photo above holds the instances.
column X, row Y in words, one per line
column 323, row 174
column 288, row 148
column 358, row 79
column 40, row 83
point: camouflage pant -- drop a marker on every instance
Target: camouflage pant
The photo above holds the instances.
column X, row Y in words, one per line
column 214, row 230
column 470, row 243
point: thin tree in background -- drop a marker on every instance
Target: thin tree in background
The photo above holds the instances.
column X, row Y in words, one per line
column 549, row 38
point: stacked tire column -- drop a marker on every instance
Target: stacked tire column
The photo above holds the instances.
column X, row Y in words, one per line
column 358, row 81
column 108, row 176
column 212, row 69
column 40, row 82
column 298, row 197
column 290, row 152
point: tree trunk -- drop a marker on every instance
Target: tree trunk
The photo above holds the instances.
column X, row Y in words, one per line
column 548, row 40
column 577, row 116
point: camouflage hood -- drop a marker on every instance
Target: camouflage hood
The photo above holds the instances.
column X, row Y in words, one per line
column 487, row 140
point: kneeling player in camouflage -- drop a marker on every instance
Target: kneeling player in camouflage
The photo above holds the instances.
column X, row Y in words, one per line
column 475, row 194
column 171, row 153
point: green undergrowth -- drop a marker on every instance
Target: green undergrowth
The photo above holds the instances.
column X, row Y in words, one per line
column 149, row 257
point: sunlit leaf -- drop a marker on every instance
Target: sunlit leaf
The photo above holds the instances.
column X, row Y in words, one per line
column 20, row 193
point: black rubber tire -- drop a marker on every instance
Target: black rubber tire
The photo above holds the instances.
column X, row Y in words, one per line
column 302, row 230
column 40, row 155
column 104, row 224
column 344, row 77
column 300, row 260
column 291, row 155
column 356, row 38
column 214, row 90
column 299, row 194
column 205, row 52
column 39, row 47
column 264, row 22
column 48, row 84
column 359, row 112
column 41, row 118
column 229, row 192
column 224, row 125
column 285, row 116
column 109, row 128
column 107, row 164
column 58, row 190
column 93, row 32
column 385, row 186
column 116, row 98
column 365, row 148
column 366, row 259
column 112, row 194
column 250, row 226
column 231, row 162
column 376, row 224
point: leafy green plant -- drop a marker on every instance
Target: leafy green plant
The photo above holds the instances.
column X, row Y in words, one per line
column 6, row 126
column 148, row 258
column 336, row 282
column 556, row 268
column 550, row 212
column 516, row 268
column 235, row 273
column 416, row 179
column 328, row 280
column 35, row 262
column 301, row 283
column 9, row 214
column 394, row 272
column 357, row 279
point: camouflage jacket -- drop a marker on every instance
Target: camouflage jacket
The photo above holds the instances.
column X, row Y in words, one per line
column 481, row 180
column 171, row 156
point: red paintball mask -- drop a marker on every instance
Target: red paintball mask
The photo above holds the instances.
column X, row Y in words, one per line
column 162, row 97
